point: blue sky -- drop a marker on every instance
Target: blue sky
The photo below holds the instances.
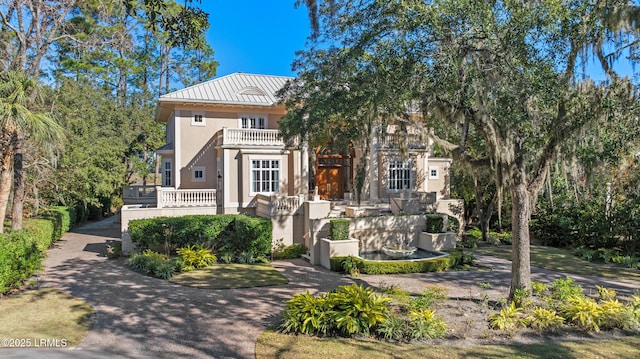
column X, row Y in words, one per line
column 256, row 36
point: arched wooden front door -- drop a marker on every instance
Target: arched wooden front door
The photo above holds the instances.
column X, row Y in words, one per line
column 333, row 174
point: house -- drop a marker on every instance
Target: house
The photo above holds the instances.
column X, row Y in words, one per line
column 224, row 154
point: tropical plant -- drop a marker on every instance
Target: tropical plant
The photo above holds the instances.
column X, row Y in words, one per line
column 195, row 256
column 582, row 311
column 393, row 328
column 20, row 120
column 543, row 319
column 508, row 318
column 358, row 309
column 425, row 325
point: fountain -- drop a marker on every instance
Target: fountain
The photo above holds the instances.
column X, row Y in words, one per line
column 401, row 250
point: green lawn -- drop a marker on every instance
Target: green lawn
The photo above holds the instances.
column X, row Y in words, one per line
column 45, row 314
column 562, row 260
column 275, row 345
column 226, row 276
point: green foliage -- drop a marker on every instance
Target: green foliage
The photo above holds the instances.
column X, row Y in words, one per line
column 155, row 264
column 585, row 253
column 484, row 285
column 434, row 223
column 538, row 288
column 339, row 229
column 307, row 314
column 544, row 319
column 397, row 267
column 19, row 259
column 358, row 309
column 349, row 310
column 350, row 265
column 393, row 328
column 425, row 325
column 63, row 219
column 194, row 256
column 21, row 252
column 43, row 231
column 507, row 319
column 582, row 311
column 563, row 289
column 429, row 297
column 114, row 250
column 236, row 235
column 293, row 251
column 522, row 298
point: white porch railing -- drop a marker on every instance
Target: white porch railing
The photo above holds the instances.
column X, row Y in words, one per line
column 170, row 197
column 255, row 137
column 267, row 206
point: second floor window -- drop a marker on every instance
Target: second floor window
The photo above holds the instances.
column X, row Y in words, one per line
column 197, row 119
column 258, row 122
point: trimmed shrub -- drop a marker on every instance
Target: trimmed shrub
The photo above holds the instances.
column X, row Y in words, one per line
column 63, row 218
column 19, row 259
column 231, row 235
column 339, row 229
column 434, row 223
column 42, row 231
column 293, row 251
column 22, row 251
column 401, row 267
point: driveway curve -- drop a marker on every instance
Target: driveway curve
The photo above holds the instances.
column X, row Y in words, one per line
column 141, row 317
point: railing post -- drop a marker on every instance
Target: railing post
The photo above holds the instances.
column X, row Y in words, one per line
column 159, row 202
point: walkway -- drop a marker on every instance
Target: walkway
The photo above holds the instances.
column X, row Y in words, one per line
column 142, row 317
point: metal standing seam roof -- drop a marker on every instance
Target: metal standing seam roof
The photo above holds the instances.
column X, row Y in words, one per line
column 235, row 89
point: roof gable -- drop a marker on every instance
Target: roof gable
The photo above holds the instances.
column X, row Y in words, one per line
column 234, row 89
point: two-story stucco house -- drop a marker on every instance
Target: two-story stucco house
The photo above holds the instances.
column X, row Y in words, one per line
column 223, row 154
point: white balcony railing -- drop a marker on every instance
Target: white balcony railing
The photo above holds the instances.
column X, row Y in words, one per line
column 412, row 141
column 170, row 197
column 252, row 137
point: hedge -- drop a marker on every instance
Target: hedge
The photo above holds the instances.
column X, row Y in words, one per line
column 21, row 252
column 454, row 258
column 233, row 234
column 64, row 218
column 19, row 259
column 339, row 229
column 434, row 223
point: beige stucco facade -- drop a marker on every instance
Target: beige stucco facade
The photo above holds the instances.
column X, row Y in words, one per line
column 223, row 135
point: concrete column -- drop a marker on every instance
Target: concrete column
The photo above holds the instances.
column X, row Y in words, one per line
column 304, row 169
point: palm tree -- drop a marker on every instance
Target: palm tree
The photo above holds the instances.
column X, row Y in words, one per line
column 19, row 94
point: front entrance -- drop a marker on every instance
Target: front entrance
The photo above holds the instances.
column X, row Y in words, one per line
column 333, row 174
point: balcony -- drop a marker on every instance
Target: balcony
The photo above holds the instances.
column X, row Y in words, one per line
column 395, row 140
column 249, row 137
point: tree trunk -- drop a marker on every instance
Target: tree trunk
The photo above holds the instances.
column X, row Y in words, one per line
column 6, row 171
column 18, row 188
column 520, row 216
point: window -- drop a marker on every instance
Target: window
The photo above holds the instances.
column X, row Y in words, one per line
column 259, row 122
column 197, row 119
column 265, row 176
column 400, row 175
column 166, row 173
column 433, row 172
column 198, row 174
